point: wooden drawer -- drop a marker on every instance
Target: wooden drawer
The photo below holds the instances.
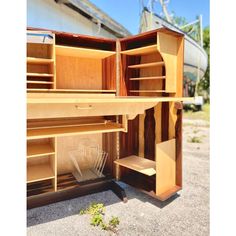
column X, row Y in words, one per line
column 37, row 111
column 66, row 105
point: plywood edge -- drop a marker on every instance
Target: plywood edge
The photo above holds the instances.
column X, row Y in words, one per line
column 82, row 52
column 140, row 50
column 172, row 191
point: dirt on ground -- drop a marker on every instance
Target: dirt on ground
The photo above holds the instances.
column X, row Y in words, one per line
column 186, row 213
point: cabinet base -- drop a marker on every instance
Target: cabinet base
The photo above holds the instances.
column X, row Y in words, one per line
column 88, row 187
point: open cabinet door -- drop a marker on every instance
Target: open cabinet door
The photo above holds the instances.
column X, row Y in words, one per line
column 166, row 169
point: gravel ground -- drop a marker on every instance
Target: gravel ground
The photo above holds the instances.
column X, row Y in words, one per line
column 187, row 213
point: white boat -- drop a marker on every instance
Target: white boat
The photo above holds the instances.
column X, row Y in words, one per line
column 195, row 57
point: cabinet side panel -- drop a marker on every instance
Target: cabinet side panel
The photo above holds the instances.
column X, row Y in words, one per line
column 109, row 73
column 109, row 146
column 168, row 47
column 165, row 166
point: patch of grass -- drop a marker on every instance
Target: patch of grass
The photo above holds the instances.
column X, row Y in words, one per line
column 202, row 115
column 97, row 212
column 194, row 139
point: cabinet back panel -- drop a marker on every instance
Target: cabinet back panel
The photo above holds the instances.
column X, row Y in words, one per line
column 69, row 143
column 78, row 73
column 39, row 160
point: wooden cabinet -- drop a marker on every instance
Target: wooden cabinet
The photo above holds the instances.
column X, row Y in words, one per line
column 102, row 109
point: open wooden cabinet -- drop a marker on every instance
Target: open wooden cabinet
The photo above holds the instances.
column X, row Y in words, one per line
column 100, row 110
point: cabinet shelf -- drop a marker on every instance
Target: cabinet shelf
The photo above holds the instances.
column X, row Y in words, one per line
column 141, row 50
column 73, row 130
column 82, row 52
column 149, row 78
column 139, row 164
column 152, row 64
column 34, row 150
column 74, row 90
column 39, row 172
column 39, row 75
column 35, row 60
column 39, row 82
column 150, row 91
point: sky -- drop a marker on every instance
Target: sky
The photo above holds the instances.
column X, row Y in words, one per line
column 126, row 12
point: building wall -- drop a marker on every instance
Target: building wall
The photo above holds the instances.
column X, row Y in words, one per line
column 50, row 15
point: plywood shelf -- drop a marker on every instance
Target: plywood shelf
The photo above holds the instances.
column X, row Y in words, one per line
column 39, row 172
column 152, row 64
column 82, row 52
column 39, row 75
column 73, row 130
column 150, row 91
column 35, row 60
column 34, row 150
column 74, row 90
column 141, row 50
column 39, row 82
column 149, row 78
column 139, row 164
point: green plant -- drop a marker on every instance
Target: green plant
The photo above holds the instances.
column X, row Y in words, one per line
column 194, row 140
column 97, row 212
column 114, row 221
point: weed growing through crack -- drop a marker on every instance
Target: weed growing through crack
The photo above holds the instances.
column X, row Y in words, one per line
column 97, row 212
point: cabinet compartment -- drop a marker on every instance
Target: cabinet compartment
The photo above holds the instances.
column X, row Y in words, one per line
column 83, row 69
column 40, row 147
column 76, row 126
column 40, row 168
column 40, row 61
column 39, row 51
column 152, row 63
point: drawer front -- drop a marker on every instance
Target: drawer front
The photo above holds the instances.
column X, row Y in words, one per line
column 40, row 111
column 41, row 37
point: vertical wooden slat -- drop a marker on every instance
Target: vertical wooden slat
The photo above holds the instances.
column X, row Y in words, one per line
column 165, row 121
column 55, row 163
column 178, row 133
column 141, row 134
column 149, row 134
column 54, row 63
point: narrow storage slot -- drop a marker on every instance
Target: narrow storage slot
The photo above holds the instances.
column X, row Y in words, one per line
column 37, row 50
column 39, row 68
column 40, row 147
column 39, row 86
column 61, row 127
column 39, row 187
column 40, row 168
